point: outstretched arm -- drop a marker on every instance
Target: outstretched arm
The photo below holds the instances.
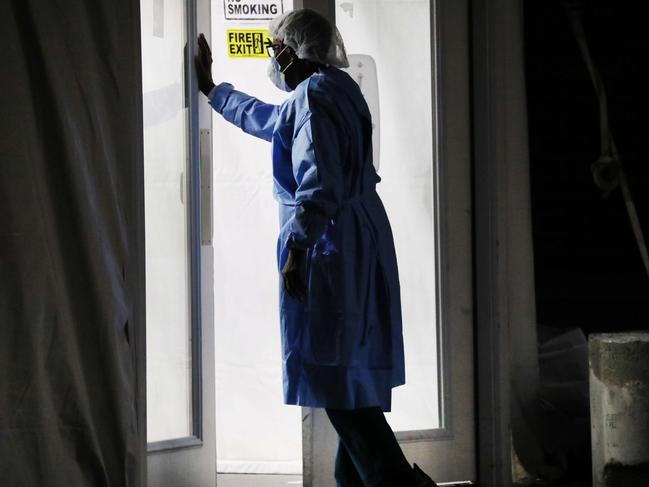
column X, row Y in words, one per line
column 251, row 115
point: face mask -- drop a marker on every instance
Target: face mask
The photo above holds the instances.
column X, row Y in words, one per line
column 276, row 76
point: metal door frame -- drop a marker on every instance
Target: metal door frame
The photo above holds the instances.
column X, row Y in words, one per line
column 189, row 461
column 195, row 261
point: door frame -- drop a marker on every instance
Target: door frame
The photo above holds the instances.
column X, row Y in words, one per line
column 491, row 339
column 189, row 461
column 494, row 24
column 492, row 372
column 195, row 439
column 138, row 292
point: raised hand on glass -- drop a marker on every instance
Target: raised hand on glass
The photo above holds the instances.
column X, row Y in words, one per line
column 203, row 63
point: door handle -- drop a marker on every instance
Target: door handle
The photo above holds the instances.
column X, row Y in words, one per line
column 206, row 185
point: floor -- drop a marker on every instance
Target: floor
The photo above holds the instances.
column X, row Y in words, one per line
column 235, row 480
column 559, row 484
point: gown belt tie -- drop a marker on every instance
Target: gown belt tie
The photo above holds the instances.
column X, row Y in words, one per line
column 365, row 195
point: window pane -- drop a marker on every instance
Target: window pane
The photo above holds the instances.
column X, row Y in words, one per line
column 246, row 307
column 167, row 250
column 396, row 34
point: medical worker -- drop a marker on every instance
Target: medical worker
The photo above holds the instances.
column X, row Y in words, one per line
column 340, row 309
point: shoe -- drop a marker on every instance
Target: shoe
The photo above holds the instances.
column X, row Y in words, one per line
column 421, row 479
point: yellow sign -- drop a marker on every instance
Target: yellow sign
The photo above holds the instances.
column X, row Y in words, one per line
column 247, row 43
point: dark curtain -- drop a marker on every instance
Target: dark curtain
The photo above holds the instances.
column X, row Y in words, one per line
column 70, row 149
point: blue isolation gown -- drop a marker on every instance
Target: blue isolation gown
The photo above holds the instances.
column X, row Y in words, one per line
column 343, row 347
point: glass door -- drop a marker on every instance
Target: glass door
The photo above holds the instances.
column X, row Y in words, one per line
column 168, row 227
column 179, row 358
column 257, row 433
column 410, row 59
column 377, row 37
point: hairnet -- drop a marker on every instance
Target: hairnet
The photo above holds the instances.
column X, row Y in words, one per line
column 311, row 36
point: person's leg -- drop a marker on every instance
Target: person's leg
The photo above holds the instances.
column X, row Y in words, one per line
column 372, row 447
column 346, row 473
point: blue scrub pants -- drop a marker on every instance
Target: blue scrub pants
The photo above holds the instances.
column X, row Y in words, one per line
column 368, row 452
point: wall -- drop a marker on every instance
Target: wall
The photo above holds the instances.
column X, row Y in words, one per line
column 588, row 268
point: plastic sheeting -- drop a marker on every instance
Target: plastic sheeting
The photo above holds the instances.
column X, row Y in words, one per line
column 69, row 149
column 564, row 400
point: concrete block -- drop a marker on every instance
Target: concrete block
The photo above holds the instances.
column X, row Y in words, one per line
column 619, row 408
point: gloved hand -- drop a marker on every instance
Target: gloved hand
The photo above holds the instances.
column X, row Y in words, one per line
column 294, row 274
column 203, row 63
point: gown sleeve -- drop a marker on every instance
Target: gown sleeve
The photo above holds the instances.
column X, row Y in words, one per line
column 251, row 115
column 317, row 159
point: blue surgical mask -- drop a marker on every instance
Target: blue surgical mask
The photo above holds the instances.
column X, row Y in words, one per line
column 277, row 76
